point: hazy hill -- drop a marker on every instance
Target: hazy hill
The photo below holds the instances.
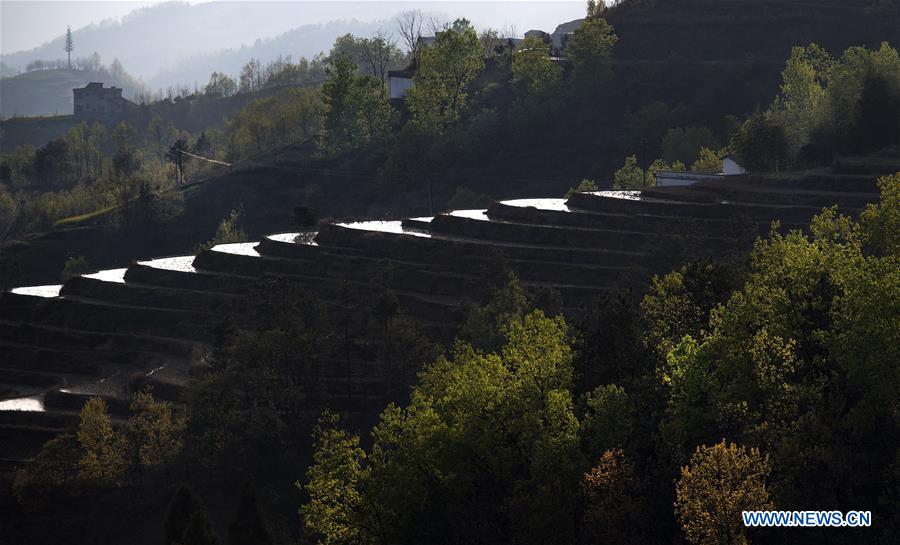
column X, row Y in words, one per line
column 48, row 92
column 305, row 41
column 161, row 44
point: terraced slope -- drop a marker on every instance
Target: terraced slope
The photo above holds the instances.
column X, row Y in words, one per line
column 111, row 332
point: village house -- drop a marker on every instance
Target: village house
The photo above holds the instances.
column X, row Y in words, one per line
column 399, row 81
column 669, row 178
column 94, row 100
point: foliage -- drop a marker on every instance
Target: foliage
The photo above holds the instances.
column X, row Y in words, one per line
column 103, row 461
column 607, row 420
column 356, row 114
column 719, row 483
column 679, row 303
column 75, row 266
column 484, row 325
column 630, row 176
column 826, row 106
column 611, row 506
column 50, row 473
column 465, row 460
column 709, row 160
column 799, row 106
column 590, row 50
column 760, row 143
column 659, row 165
column 684, row 143
column 220, row 85
column 334, row 478
column 536, row 82
column 230, row 230
column 815, row 316
column 584, row 185
column 443, row 75
column 291, row 115
column 154, row 433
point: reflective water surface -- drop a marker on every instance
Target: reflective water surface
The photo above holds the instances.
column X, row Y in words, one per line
column 39, row 291
column 33, row 403
column 304, row 237
column 471, row 214
column 395, row 227
column 109, row 275
column 540, row 204
column 184, row 263
column 238, row 248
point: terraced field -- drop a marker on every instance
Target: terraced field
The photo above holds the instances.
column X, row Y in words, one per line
column 109, row 333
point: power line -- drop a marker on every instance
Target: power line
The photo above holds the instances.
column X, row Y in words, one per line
column 204, row 158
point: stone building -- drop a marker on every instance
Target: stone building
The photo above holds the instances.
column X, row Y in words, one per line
column 94, row 100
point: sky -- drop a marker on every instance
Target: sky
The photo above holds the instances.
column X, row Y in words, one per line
column 28, row 24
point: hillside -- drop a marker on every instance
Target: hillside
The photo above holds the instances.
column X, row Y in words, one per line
column 49, row 92
column 747, row 29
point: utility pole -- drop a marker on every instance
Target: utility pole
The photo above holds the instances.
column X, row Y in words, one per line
column 644, row 162
column 430, row 201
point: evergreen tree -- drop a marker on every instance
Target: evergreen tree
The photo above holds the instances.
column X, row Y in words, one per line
column 69, row 46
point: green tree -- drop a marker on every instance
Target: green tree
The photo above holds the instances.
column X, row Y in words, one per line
column 760, row 143
column 584, row 185
column 709, row 160
column 486, row 451
column 812, row 318
column 484, row 325
column 356, row 113
column 292, row 115
column 659, row 165
column 631, row 176
column 851, row 123
column 230, row 230
column 104, row 460
column 51, row 473
column 443, row 75
column 607, row 422
column 220, row 85
column 799, row 105
column 719, row 482
column 154, row 432
column 536, row 81
column 335, row 509
column 590, row 50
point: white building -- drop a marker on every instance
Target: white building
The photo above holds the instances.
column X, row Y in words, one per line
column 670, row 178
column 399, row 81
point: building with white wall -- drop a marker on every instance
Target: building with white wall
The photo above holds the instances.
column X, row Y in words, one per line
column 670, row 178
